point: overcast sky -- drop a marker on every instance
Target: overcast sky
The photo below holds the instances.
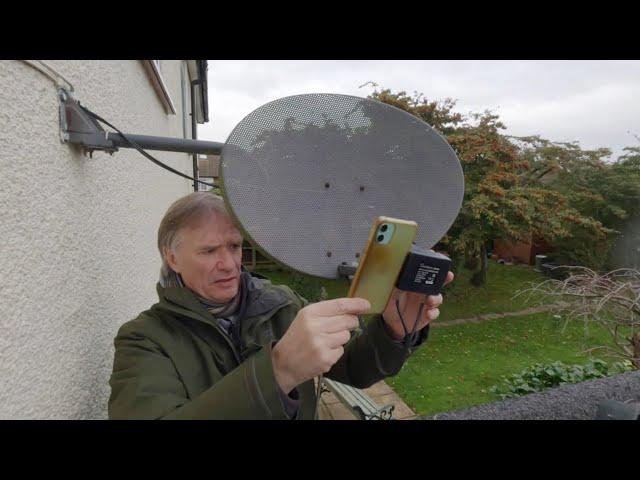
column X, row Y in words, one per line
column 596, row 103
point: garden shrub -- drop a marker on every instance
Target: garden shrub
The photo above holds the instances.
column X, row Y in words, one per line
column 542, row 376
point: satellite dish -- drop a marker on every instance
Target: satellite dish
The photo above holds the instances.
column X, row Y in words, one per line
column 305, row 176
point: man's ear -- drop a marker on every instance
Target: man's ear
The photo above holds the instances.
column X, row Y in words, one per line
column 171, row 259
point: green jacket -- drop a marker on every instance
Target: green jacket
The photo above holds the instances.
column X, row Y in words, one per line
column 175, row 362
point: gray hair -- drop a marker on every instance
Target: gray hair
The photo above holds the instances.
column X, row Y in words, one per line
column 182, row 212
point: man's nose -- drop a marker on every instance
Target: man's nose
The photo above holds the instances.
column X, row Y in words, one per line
column 226, row 260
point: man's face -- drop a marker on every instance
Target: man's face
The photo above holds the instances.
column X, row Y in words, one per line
column 208, row 257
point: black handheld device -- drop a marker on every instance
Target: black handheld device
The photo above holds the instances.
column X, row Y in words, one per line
column 424, row 271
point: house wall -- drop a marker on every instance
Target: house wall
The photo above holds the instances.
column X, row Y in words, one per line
column 519, row 252
column 79, row 255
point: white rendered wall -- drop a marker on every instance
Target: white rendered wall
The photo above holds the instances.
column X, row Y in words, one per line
column 78, row 253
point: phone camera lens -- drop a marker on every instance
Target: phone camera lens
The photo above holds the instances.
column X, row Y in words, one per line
column 380, row 238
column 384, row 228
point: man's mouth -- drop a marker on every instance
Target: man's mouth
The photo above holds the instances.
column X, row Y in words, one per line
column 225, row 281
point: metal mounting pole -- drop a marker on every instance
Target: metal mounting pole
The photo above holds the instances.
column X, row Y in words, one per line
column 167, row 144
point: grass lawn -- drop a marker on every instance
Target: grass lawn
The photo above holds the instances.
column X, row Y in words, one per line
column 462, row 300
column 458, row 364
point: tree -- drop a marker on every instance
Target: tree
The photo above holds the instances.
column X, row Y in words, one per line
column 502, row 198
column 625, row 252
column 606, row 193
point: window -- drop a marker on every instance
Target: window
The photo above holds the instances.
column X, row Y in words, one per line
column 153, row 68
column 186, row 105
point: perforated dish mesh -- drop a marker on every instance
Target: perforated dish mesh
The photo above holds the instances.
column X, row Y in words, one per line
column 306, row 175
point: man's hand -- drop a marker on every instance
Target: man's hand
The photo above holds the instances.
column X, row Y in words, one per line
column 314, row 341
column 409, row 307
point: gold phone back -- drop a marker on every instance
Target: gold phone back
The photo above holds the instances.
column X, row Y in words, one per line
column 381, row 264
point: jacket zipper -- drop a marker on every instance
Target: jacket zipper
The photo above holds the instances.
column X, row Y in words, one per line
column 229, row 340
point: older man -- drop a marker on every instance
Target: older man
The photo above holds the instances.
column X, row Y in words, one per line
column 222, row 343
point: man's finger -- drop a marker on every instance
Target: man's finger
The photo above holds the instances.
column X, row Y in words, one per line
column 432, row 314
column 338, row 323
column 450, row 277
column 340, row 306
column 433, row 301
column 335, row 340
column 336, row 353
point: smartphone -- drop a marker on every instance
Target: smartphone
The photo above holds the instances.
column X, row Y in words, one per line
column 390, row 241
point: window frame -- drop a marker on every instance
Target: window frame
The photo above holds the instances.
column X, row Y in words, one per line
column 153, row 69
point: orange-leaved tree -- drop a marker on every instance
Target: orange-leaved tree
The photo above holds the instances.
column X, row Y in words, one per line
column 501, row 200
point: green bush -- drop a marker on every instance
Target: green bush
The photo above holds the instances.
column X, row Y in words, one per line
column 542, row 376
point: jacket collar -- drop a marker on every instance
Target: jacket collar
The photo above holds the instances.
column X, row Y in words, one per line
column 261, row 297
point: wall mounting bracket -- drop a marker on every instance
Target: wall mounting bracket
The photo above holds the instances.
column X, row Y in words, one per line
column 79, row 128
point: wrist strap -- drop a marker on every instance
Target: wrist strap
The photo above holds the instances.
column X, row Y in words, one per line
column 409, row 336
